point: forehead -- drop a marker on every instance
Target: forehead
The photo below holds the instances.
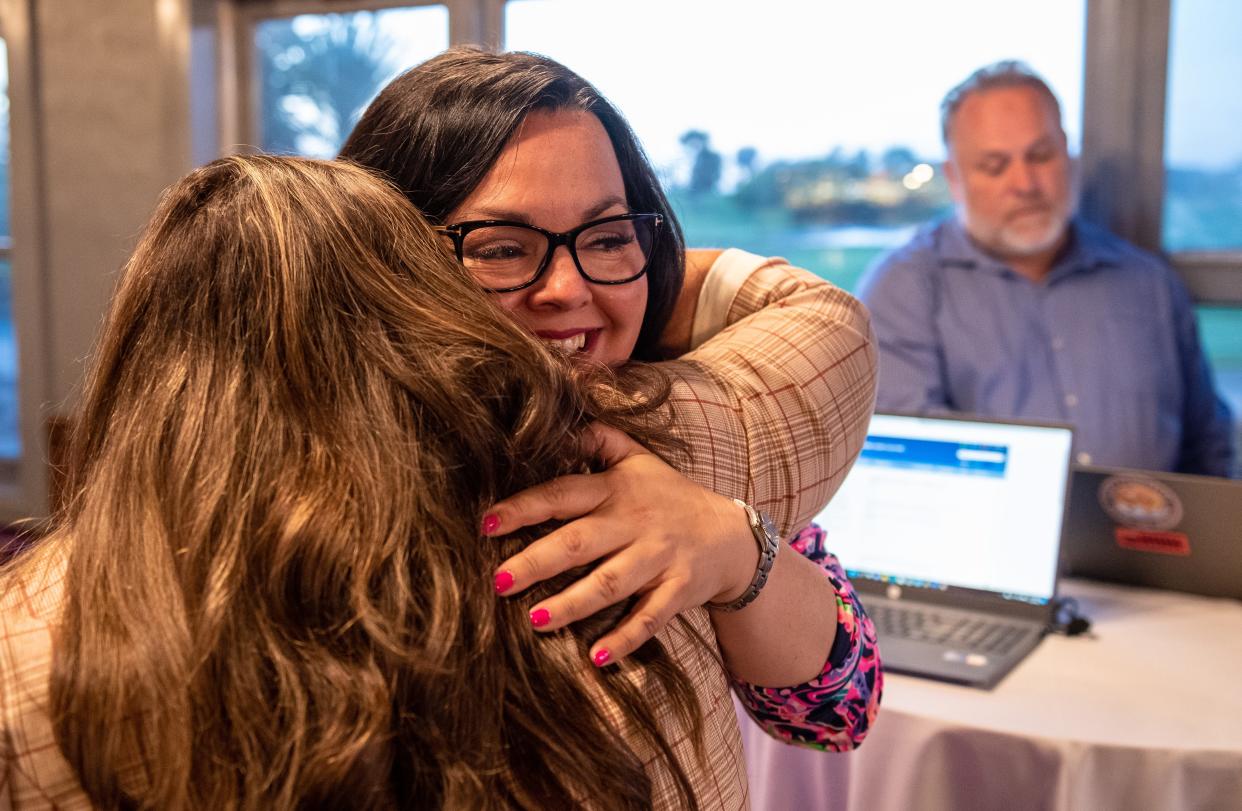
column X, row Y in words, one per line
column 558, row 165
column 1003, row 119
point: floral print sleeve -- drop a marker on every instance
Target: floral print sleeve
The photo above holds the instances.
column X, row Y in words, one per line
column 834, row 710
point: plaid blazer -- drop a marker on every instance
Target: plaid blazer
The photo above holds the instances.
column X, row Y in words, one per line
column 775, row 407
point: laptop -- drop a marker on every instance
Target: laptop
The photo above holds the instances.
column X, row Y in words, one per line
column 950, row 530
column 1161, row 530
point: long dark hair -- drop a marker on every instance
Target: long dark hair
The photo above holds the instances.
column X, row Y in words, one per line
column 276, row 595
column 436, row 130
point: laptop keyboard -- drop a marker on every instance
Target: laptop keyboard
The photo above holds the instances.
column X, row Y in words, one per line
column 928, row 625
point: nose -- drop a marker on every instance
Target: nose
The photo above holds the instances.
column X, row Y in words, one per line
column 562, row 286
column 1024, row 179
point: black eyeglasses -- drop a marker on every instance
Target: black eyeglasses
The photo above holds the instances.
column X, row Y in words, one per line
column 506, row 256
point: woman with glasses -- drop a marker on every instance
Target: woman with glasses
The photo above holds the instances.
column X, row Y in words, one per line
column 544, row 194
column 267, row 590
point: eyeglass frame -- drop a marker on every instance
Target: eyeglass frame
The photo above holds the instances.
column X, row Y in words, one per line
column 458, row 232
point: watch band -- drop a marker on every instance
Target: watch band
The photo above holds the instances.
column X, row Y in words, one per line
column 769, row 541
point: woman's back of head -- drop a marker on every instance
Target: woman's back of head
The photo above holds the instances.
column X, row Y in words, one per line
column 276, row 592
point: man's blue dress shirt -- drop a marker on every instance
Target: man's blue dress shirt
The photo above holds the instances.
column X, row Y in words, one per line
column 1107, row 342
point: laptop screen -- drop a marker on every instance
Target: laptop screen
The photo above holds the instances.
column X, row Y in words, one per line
column 935, row 502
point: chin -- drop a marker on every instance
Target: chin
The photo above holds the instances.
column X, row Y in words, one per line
column 1032, row 242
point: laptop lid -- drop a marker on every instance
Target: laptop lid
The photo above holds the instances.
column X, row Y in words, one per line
column 1160, row 530
column 958, row 511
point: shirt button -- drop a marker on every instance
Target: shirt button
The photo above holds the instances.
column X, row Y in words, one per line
column 1084, row 458
column 1058, row 343
column 1071, row 400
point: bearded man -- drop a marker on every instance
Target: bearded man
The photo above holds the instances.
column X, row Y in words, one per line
column 1014, row 307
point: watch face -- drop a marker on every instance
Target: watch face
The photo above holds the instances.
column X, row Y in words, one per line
column 769, row 528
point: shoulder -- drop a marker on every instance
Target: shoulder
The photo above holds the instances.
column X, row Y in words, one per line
column 30, row 602
column 1134, row 265
column 1122, row 252
column 911, row 263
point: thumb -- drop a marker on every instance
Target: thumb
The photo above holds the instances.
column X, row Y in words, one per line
column 610, row 444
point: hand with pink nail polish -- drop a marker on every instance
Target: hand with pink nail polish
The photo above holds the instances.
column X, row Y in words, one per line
column 660, row 544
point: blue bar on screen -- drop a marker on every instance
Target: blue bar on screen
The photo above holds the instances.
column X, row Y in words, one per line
column 931, row 454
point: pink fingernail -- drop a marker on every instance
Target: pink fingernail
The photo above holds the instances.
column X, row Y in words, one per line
column 491, row 523
column 504, row 582
column 601, row 657
column 540, row 617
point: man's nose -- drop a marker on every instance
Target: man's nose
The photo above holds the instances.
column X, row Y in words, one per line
column 1024, row 179
column 562, row 285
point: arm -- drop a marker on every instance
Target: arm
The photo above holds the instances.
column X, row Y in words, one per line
column 775, row 409
column 834, row 710
column 1207, row 425
column 902, row 299
column 775, row 404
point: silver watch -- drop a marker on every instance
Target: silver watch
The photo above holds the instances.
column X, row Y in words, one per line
column 769, row 541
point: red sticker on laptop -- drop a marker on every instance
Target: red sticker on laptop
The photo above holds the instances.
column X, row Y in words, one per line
column 1140, row 502
column 1145, row 540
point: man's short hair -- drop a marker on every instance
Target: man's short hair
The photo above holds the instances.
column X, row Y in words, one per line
column 1006, row 73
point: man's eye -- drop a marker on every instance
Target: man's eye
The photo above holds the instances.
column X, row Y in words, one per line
column 993, row 168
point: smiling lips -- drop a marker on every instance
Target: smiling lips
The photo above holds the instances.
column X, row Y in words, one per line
column 568, row 341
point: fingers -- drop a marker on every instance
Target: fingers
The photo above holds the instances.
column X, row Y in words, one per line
column 575, row 544
column 611, row 582
column 655, row 610
column 562, row 498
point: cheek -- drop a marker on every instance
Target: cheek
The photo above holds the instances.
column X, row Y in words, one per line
column 515, row 305
column 629, row 306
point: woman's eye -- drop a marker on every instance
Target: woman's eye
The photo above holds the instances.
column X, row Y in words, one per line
column 608, row 242
column 495, row 252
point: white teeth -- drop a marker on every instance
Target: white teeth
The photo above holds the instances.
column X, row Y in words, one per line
column 567, row 345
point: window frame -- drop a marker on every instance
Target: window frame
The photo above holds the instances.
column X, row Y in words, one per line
column 1130, row 38
column 1121, row 161
column 470, row 22
column 24, row 481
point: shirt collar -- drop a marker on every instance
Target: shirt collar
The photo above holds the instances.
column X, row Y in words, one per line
column 1088, row 248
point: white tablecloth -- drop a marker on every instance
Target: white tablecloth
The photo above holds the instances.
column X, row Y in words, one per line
column 1145, row 712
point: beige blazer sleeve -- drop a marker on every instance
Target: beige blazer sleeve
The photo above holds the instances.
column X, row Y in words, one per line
column 775, row 399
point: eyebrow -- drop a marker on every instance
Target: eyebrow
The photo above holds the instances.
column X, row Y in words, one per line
column 513, row 215
column 1041, row 141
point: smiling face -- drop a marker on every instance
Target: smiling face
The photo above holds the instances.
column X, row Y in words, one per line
column 558, row 171
column 1009, row 172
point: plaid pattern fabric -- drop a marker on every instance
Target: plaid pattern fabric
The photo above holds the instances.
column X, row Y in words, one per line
column 32, row 772
column 775, row 408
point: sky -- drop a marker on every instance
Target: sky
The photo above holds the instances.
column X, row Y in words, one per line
column 795, row 78
column 1205, row 84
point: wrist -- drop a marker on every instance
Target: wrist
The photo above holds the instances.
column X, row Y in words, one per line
column 764, row 545
column 743, row 553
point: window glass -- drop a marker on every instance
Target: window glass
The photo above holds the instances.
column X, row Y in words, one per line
column 1203, row 153
column 806, row 130
column 10, row 438
column 1220, row 329
column 318, row 72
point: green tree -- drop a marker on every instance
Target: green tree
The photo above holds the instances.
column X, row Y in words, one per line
column 318, row 73
column 707, row 167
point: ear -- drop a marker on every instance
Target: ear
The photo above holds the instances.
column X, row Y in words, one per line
column 952, row 174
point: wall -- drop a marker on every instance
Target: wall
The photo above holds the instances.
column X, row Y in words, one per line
column 104, row 127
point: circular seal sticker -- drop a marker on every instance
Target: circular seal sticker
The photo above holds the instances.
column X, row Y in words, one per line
column 1137, row 501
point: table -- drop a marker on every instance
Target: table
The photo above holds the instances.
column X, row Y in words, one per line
column 1144, row 712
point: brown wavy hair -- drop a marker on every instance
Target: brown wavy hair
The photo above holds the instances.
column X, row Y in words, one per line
column 276, row 592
